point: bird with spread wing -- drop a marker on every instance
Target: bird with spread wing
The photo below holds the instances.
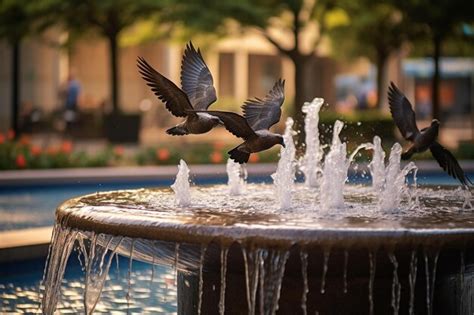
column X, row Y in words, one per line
column 252, row 127
column 424, row 139
column 198, row 92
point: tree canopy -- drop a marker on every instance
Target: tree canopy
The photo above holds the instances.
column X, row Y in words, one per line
column 374, row 29
column 440, row 22
column 18, row 18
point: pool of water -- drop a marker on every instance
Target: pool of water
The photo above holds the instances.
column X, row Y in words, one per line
column 143, row 294
column 34, row 206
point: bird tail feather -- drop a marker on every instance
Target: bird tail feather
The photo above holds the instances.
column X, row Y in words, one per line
column 239, row 156
column 407, row 154
column 177, row 131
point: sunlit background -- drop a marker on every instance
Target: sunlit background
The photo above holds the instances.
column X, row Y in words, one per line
column 346, row 52
column 71, row 97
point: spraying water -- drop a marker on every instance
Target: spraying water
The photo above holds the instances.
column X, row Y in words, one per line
column 336, row 165
column 181, row 186
column 284, row 176
column 377, row 165
column 334, row 172
column 236, row 178
column 311, row 163
column 467, row 196
column 394, row 185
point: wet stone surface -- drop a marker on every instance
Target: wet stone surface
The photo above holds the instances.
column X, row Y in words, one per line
column 432, row 208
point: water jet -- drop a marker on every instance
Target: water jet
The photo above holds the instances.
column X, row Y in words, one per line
column 338, row 249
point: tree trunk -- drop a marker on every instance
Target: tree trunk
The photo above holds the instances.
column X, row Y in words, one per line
column 304, row 84
column 114, row 72
column 437, row 40
column 381, row 78
column 15, row 87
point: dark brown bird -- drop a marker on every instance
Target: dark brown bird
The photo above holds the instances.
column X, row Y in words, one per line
column 424, row 139
column 198, row 92
column 259, row 116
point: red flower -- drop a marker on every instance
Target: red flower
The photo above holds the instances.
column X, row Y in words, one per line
column 162, row 154
column 66, row 147
column 254, row 158
column 52, row 150
column 119, row 150
column 35, row 150
column 218, row 145
column 10, row 134
column 2, row 138
column 20, row 161
column 25, row 140
column 216, row 157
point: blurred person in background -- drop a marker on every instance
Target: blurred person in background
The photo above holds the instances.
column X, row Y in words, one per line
column 70, row 95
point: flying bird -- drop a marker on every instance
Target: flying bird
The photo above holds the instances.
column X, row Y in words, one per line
column 424, row 139
column 259, row 116
column 198, row 92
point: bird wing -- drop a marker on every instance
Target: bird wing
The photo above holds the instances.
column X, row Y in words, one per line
column 196, row 79
column 174, row 98
column 402, row 113
column 264, row 113
column 234, row 123
column 448, row 162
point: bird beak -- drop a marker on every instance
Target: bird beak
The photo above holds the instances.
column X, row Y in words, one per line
column 283, row 144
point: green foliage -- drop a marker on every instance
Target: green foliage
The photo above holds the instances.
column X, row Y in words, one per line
column 375, row 29
column 466, row 150
column 17, row 19
column 196, row 153
column 443, row 20
column 291, row 17
column 109, row 17
column 22, row 154
column 440, row 18
column 216, row 14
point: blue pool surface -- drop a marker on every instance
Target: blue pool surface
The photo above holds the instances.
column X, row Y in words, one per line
column 20, row 288
column 34, row 206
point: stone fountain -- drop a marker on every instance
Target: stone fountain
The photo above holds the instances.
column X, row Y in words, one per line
column 322, row 247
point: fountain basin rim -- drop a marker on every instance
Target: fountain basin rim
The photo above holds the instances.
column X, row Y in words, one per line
column 280, row 235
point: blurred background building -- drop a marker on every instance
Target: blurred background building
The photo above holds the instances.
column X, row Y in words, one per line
column 242, row 67
column 343, row 52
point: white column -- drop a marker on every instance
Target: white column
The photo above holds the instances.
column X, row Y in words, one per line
column 241, row 71
column 288, row 74
column 174, row 54
column 212, row 60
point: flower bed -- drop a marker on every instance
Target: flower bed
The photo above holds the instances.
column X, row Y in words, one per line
column 23, row 154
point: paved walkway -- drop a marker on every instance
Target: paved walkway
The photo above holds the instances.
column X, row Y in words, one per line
column 24, row 244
